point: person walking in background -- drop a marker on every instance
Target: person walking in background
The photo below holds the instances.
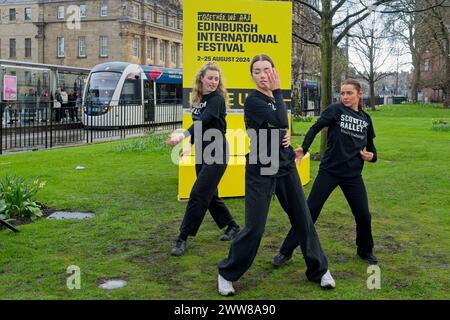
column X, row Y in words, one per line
column 57, row 105
column 72, row 99
column 44, row 106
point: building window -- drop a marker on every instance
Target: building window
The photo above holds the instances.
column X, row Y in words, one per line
column 83, row 11
column 27, row 47
column 136, row 47
column 82, row 46
column 27, row 76
column 12, row 14
column 104, row 10
column 162, row 52
column 61, row 12
column 173, row 53
column 181, row 55
column 12, row 48
column 426, row 65
column 103, row 46
column 172, row 21
column 60, row 44
column 28, row 14
column 160, row 18
column 151, row 48
column 149, row 16
column 136, row 11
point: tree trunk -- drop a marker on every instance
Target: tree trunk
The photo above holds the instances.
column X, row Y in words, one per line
column 372, row 95
column 416, row 76
column 447, row 76
column 326, row 46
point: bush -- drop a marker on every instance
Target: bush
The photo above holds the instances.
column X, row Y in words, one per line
column 16, row 198
column 303, row 118
column 152, row 142
column 440, row 125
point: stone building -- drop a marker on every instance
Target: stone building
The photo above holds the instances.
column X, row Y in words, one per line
column 84, row 33
column 18, row 30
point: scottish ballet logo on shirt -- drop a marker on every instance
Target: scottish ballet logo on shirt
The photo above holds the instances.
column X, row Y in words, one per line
column 352, row 126
column 197, row 110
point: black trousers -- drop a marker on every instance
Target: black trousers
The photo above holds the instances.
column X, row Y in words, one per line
column 258, row 193
column 355, row 192
column 204, row 196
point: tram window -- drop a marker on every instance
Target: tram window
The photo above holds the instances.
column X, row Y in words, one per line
column 131, row 92
column 168, row 93
column 101, row 86
column 148, row 89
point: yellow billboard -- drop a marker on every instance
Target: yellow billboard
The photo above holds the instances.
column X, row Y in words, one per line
column 231, row 33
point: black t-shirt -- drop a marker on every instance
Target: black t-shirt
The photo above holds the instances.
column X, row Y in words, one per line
column 211, row 112
column 266, row 116
column 349, row 132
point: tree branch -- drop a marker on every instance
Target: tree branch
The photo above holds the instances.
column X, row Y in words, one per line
column 347, row 28
column 320, row 13
column 306, row 40
column 440, row 4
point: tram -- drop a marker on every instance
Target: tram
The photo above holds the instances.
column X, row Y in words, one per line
column 121, row 94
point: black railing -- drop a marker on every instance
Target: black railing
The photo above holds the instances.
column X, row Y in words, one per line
column 26, row 126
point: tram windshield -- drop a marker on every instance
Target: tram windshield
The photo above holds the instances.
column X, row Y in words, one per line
column 101, row 87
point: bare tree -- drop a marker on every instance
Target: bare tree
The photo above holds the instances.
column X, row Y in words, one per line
column 334, row 25
column 436, row 24
column 368, row 41
column 402, row 27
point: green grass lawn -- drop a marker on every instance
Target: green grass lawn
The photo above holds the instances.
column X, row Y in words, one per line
column 134, row 197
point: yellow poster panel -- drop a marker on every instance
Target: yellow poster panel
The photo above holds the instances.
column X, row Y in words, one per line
column 231, row 33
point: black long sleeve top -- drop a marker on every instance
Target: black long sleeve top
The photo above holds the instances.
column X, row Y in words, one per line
column 349, row 132
column 262, row 112
column 211, row 112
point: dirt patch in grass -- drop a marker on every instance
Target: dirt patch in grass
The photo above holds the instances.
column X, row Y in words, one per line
column 339, row 233
column 255, row 276
column 389, row 244
column 150, row 259
column 347, row 275
column 441, row 260
column 401, row 284
column 270, row 247
column 338, row 258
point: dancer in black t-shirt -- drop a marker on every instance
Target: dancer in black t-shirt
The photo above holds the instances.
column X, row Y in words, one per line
column 209, row 111
column 267, row 123
column 350, row 130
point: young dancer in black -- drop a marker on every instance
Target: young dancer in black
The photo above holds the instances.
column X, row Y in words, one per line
column 350, row 130
column 209, row 110
column 265, row 112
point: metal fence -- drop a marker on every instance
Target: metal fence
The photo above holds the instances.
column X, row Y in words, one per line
column 32, row 126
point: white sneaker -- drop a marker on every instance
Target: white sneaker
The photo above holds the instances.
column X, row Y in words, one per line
column 327, row 281
column 225, row 286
